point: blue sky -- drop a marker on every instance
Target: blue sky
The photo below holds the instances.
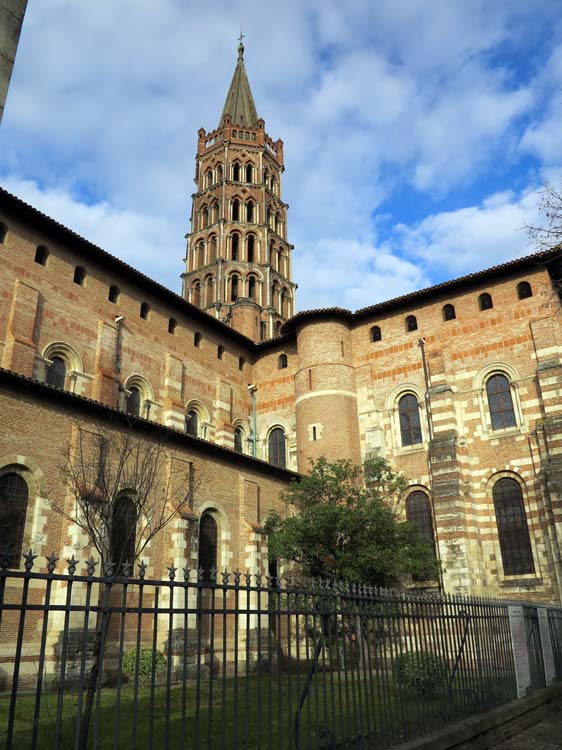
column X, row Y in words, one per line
column 416, row 132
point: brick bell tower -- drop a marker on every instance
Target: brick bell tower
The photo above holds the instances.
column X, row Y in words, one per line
column 238, row 260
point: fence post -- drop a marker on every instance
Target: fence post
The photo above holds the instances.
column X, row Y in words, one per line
column 520, row 650
column 546, row 643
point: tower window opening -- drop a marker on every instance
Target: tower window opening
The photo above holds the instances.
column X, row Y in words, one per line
column 3, row 232
column 56, row 373
column 376, row 334
column 500, row 402
column 220, row 352
column 144, row 310
column 314, row 432
column 249, row 173
column 113, row 295
column 282, row 362
column 236, row 172
column 263, row 330
column 197, row 339
column 241, row 363
column 252, row 287
column 249, row 211
column 236, row 210
column 250, row 248
column 133, row 401
column 238, row 442
column 234, row 249
column 485, row 301
column 276, row 448
column 209, row 178
column 524, row 290
column 196, row 294
column 411, row 323
column 418, row 513
column 449, row 312
column 172, row 325
column 234, row 288
column 192, row 423
column 79, row 275
column 41, row 255
column 409, row 419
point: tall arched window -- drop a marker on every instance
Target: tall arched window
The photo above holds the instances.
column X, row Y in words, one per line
column 250, row 248
column 172, row 325
column 418, row 513
column 144, row 310
column 238, row 440
column 376, row 334
column 485, row 301
column 524, row 290
column 236, row 171
column 252, row 287
column 234, row 288
column 276, row 448
column 235, row 240
column 192, row 423
column 411, row 323
column 236, row 210
column 249, row 173
column 114, row 293
column 219, row 173
column 500, row 402
column 282, row 362
column 409, row 416
column 123, row 533
column 56, row 372
column 220, row 351
column 41, row 255
column 196, row 294
column 249, row 211
column 208, row 545
column 449, row 312
column 197, row 339
column 513, row 531
column 133, row 406
column 14, row 496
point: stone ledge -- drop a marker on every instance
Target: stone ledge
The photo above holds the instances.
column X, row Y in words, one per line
column 488, row 729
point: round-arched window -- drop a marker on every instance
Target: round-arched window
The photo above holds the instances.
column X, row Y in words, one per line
column 409, row 417
column 500, row 402
column 192, row 423
column 276, row 448
column 208, row 545
column 134, row 401
column 56, row 372
column 513, row 530
column 14, row 496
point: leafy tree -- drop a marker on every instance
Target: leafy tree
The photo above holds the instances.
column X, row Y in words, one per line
column 348, row 525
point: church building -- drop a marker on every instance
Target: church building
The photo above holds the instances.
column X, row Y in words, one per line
column 459, row 386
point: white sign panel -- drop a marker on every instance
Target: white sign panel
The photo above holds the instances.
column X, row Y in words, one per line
column 520, row 653
column 547, row 653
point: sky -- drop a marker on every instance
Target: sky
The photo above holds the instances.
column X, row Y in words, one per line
column 417, row 132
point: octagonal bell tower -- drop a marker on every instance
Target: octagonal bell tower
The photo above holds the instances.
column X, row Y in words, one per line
column 238, row 260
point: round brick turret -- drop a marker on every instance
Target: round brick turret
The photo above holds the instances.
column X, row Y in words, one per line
column 326, row 401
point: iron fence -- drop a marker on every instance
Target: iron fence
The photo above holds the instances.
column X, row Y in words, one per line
column 233, row 660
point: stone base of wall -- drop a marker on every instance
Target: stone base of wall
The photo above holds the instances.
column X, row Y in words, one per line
column 487, row 730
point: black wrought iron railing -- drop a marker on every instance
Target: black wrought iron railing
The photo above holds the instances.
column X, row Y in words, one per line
column 237, row 660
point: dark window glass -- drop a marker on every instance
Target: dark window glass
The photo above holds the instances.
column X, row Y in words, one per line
column 172, row 325
column 449, row 312
column 241, row 363
column 485, row 301
column 236, row 172
column 235, row 240
column 513, row 531
column 524, row 290
column 376, row 334
column 144, row 310
column 250, row 242
column 14, row 496
column 220, row 352
column 500, row 402
column 197, row 339
column 123, row 533
column 79, row 275
column 238, row 440
column 276, row 447
column 411, row 323
column 235, row 210
column 197, row 294
column 114, row 293
column 41, row 255
column 282, row 362
column 133, row 401
column 234, row 289
column 418, row 512
column 409, row 416
column 192, row 423
column 249, row 173
column 263, row 330
column 252, row 287
column 249, row 211
column 56, row 372
column 207, row 545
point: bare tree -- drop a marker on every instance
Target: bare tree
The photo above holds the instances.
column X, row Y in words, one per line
column 550, row 207
column 124, row 489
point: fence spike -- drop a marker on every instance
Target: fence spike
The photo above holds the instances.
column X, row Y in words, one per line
column 225, row 576
column 171, row 572
column 29, row 557
column 126, row 569
column 108, row 569
column 237, row 575
column 248, row 577
column 186, row 573
column 200, row 575
column 72, row 563
column 142, row 569
column 52, row 560
column 91, row 566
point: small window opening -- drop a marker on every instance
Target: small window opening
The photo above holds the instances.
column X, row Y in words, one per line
column 263, row 330
column 79, row 275
column 113, row 295
column 41, row 255
column 524, row 290
column 314, row 432
column 485, row 301
column 3, row 232
column 376, row 334
column 241, row 363
column 238, row 442
column 220, row 352
column 449, row 312
column 282, row 362
column 411, row 323
column 197, row 339
column 144, row 310
column 172, row 325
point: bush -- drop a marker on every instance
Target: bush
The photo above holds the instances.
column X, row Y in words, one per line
column 146, row 657
column 421, row 674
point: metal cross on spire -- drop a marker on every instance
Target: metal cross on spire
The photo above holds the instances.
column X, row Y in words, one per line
column 241, row 45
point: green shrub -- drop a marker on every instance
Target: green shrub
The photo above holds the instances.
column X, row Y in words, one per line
column 146, row 657
column 421, row 674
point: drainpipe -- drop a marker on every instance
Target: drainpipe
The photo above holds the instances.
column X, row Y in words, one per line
column 253, row 389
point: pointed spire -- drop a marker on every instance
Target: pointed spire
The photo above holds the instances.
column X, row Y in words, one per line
column 239, row 102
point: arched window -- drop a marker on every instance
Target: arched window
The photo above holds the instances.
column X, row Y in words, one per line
column 263, row 330
column 133, row 405
column 14, row 496
column 449, row 312
column 276, row 447
column 411, row 323
column 238, row 440
column 249, row 173
column 234, row 288
column 220, row 352
column 123, row 533
column 79, row 275
column 209, row 178
column 114, row 293
column 205, row 217
column 485, row 301
column 172, row 325
column 235, row 243
column 236, row 210
column 282, row 362
column 197, row 339
column 376, row 334
column 249, row 211
column 208, row 545
column 278, row 325
column 409, row 417
column 41, row 255
column 250, row 248
column 418, row 513
column 192, row 423
column 144, row 310
column 3, row 232
column 500, row 402
column 219, row 173
column 252, row 287
column 56, row 372
column 212, row 248
column 236, row 171
column 524, row 290
column 241, row 363
column 200, row 253
column 513, row 531
column 196, row 294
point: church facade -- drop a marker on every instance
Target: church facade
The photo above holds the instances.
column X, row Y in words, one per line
column 459, row 386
